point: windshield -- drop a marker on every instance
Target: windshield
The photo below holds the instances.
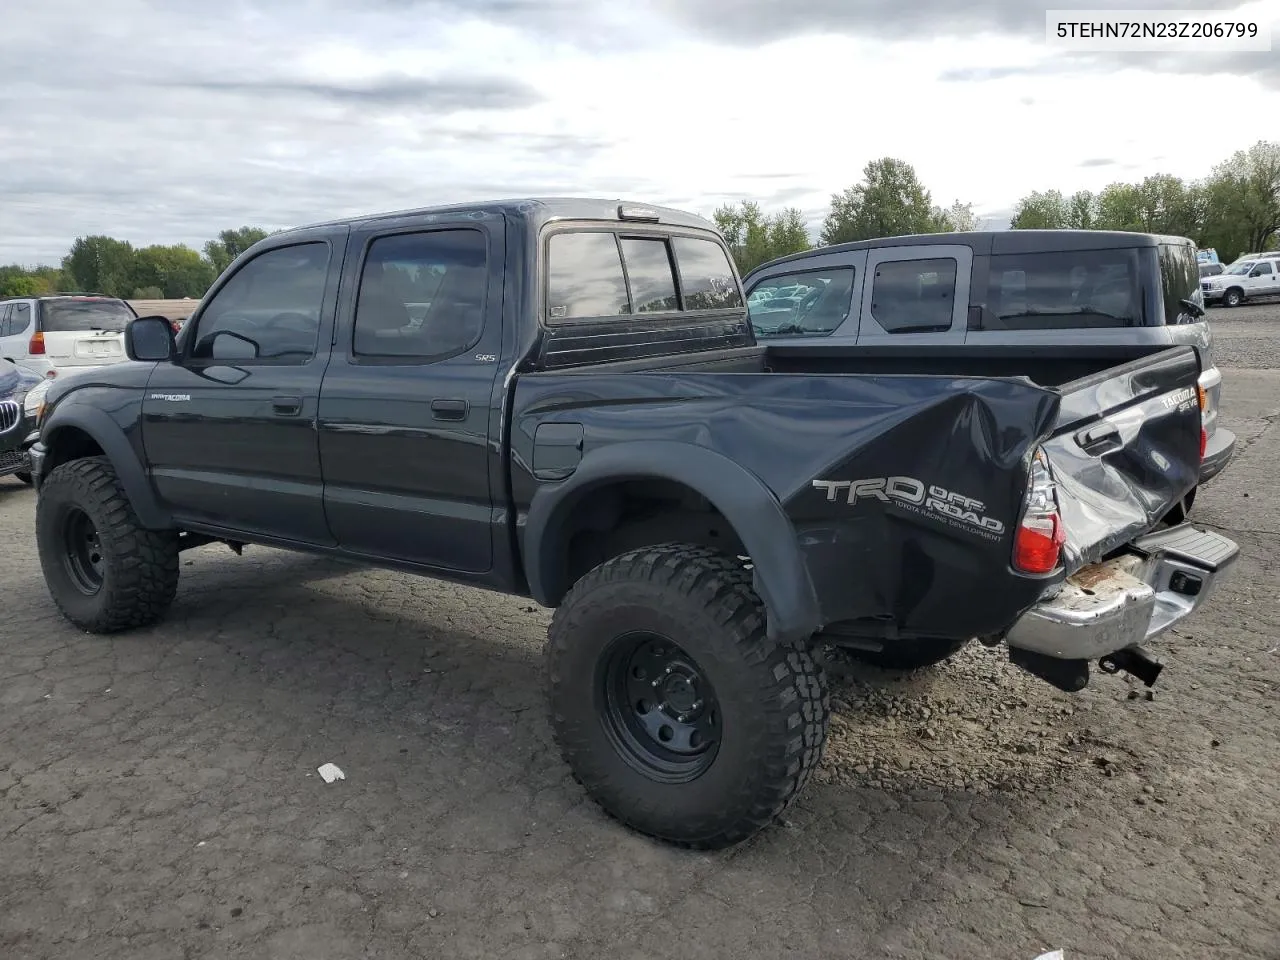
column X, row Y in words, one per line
column 83, row 315
column 1240, row 269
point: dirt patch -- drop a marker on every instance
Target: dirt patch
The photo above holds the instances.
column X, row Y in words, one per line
column 974, row 723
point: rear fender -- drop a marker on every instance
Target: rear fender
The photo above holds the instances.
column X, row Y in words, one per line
column 780, row 577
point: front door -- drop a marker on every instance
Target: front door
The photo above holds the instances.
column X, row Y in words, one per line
column 406, row 414
column 230, row 428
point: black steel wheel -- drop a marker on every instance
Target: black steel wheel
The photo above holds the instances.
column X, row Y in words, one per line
column 660, row 708
column 105, row 571
column 671, row 704
column 82, row 551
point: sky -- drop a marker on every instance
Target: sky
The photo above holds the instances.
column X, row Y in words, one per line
column 165, row 121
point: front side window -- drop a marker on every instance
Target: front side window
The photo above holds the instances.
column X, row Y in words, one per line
column 1262, row 270
column 1066, row 289
column 83, row 315
column 421, row 295
column 808, row 303
column 914, row 296
column 269, row 310
column 585, row 277
column 706, row 276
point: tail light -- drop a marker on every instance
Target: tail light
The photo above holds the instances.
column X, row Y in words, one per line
column 1203, row 396
column 36, row 347
column 1037, row 543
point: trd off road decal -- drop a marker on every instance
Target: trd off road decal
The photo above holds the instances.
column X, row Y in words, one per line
column 932, row 501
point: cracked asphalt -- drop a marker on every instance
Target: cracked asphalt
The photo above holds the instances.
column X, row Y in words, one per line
column 159, row 795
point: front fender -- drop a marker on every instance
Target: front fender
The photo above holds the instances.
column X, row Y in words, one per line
column 108, row 435
column 780, row 577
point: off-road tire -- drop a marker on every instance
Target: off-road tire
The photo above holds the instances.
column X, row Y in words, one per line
column 1232, row 298
column 774, row 704
column 139, row 566
column 914, row 654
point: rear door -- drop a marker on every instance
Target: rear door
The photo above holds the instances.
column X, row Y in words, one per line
column 1124, row 450
column 83, row 331
column 405, row 418
column 916, row 294
column 1264, row 281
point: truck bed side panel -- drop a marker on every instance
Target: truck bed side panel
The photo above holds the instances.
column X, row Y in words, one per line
column 949, row 455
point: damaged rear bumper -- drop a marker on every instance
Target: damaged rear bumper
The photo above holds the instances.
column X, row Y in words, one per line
column 1117, row 604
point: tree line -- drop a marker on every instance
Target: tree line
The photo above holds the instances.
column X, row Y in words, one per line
column 1234, row 209
column 101, row 264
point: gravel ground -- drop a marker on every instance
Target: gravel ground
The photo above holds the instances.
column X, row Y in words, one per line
column 159, row 796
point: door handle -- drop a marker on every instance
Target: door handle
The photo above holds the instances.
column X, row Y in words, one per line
column 449, row 409
column 286, row 406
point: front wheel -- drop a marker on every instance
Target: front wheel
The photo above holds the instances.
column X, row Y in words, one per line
column 671, row 705
column 1232, row 298
column 104, row 570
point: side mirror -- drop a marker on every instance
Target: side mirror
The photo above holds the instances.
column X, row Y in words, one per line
column 1193, row 308
column 149, row 339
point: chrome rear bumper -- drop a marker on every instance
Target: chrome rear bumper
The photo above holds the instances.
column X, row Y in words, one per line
column 1109, row 606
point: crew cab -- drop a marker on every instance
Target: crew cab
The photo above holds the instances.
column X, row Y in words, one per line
column 1047, row 303
column 1244, row 280
column 563, row 399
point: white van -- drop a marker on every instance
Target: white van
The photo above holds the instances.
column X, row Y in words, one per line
column 50, row 333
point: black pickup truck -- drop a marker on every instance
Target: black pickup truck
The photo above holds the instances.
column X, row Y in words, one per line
column 563, row 399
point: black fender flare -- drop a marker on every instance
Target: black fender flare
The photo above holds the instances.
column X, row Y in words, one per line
column 780, row 577
column 108, row 435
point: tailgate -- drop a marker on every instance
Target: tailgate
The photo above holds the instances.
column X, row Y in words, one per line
column 1124, row 450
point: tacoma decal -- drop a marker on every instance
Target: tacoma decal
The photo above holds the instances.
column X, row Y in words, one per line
column 937, row 503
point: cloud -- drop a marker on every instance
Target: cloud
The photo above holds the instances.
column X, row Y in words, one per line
column 1098, row 162
column 448, row 94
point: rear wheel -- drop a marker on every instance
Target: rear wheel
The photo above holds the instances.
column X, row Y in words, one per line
column 1233, row 298
column 914, row 654
column 671, row 705
column 105, row 571
column 24, row 477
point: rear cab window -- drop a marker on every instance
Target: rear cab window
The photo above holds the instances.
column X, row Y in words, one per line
column 84, row 315
column 602, row 273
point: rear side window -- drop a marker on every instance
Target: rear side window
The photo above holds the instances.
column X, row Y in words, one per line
column 1064, row 290
column 19, row 317
column 6, row 328
column 83, row 315
column 1179, row 280
column 812, row 302
column 421, row 295
column 914, row 296
column 585, row 277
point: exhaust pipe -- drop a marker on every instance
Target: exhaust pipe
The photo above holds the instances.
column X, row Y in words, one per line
column 1133, row 660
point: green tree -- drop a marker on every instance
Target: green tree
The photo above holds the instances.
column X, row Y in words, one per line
column 959, row 217
column 1040, row 211
column 755, row 237
column 177, row 271
column 889, row 201
column 230, row 244
column 1081, row 210
column 100, row 265
column 1242, row 198
column 16, row 282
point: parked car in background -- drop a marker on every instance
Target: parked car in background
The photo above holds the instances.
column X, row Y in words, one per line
column 60, row 331
column 1211, row 270
column 1244, row 280
column 1037, row 303
column 15, row 424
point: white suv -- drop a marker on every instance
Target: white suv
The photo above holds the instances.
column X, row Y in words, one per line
column 50, row 333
